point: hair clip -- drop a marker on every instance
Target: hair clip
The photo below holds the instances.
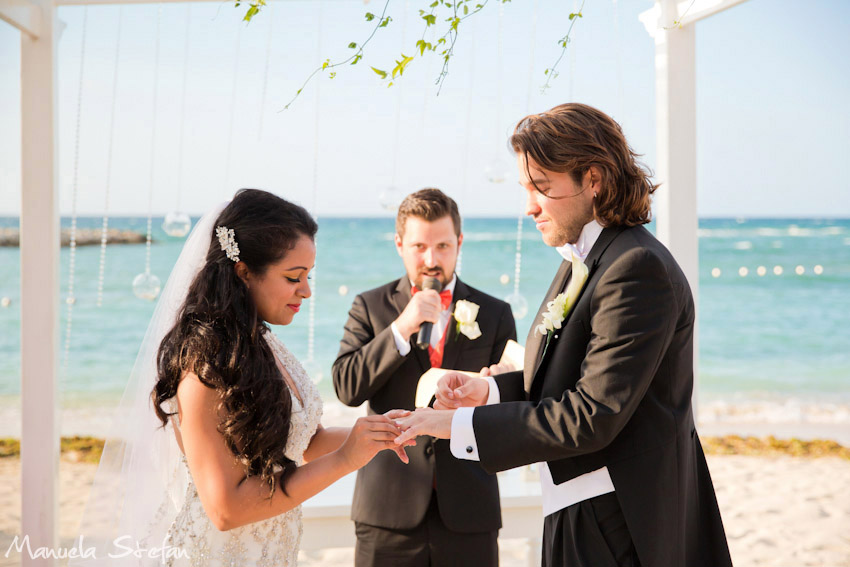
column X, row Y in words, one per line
column 227, row 239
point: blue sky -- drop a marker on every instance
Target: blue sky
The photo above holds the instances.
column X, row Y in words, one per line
column 773, row 87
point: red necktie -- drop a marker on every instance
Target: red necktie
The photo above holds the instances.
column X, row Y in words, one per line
column 436, row 354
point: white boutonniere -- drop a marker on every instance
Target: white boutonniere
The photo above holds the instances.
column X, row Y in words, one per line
column 559, row 308
column 465, row 314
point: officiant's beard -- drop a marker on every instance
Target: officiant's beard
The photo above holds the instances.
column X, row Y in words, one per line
column 441, row 276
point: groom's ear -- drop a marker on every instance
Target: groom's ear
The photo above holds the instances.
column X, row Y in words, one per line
column 593, row 176
column 398, row 243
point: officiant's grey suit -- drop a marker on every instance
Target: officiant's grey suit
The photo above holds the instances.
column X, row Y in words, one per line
column 613, row 389
column 388, row 494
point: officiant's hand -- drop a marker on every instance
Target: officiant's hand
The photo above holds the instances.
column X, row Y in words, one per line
column 456, row 390
column 423, row 307
column 425, row 421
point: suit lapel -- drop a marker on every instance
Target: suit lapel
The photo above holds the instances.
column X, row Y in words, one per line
column 592, row 261
column 535, row 341
column 401, row 297
column 454, row 343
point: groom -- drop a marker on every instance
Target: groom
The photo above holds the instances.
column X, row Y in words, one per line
column 604, row 402
column 437, row 510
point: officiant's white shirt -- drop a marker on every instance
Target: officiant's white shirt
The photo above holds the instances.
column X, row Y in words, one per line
column 437, row 330
column 555, row 496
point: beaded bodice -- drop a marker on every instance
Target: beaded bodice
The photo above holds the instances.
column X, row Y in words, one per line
column 270, row 542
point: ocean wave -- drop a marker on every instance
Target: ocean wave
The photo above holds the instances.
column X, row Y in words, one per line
column 792, row 411
column 767, row 232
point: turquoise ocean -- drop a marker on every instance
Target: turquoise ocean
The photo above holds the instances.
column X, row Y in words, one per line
column 772, row 347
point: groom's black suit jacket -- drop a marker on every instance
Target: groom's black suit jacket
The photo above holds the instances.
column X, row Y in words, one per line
column 613, row 388
column 388, row 493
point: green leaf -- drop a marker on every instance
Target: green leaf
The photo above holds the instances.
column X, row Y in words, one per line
column 370, row 16
column 422, row 46
column 325, row 64
column 465, row 9
column 357, row 58
column 383, row 74
column 352, row 45
column 401, row 64
column 430, row 19
column 252, row 11
column 385, row 22
column 332, row 74
column 435, row 4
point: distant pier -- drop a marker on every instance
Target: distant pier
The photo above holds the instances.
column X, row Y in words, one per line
column 11, row 237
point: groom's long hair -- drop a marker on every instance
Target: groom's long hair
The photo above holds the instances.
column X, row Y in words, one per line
column 218, row 335
column 571, row 138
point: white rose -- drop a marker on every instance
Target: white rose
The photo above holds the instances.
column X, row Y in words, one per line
column 465, row 312
column 471, row 330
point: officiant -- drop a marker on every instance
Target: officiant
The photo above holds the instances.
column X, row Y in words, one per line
column 438, row 510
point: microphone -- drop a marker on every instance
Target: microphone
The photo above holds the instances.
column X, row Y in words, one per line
column 423, row 339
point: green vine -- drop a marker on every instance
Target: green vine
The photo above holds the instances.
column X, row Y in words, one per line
column 551, row 72
column 458, row 12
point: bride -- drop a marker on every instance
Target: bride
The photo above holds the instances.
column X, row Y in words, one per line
column 220, row 440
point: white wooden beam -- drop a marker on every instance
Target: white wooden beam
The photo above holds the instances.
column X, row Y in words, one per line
column 39, row 288
column 23, row 15
column 675, row 114
column 686, row 12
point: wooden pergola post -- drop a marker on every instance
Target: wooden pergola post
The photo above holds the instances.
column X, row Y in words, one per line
column 39, row 273
column 672, row 24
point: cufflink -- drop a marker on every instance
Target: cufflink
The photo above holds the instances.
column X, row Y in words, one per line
column 469, row 449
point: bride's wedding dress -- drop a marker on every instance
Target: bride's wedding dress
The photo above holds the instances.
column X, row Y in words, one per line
column 273, row 542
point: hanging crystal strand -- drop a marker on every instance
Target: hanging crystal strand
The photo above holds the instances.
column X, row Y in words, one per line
column 227, row 188
column 498, row 169
column 572, row 60
column 147, row 285
column 71, row 299
column 469, row 99
column 391, row 197
column 176, row 222
column 618, row 47
column 105, row 227
column 518, row 303
column 311, row 365
column 270, row 17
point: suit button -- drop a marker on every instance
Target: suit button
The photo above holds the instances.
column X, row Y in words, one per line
column 429, row 450
column 469, row 449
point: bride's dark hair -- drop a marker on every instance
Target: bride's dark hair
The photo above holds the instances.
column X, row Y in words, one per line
column 218, row 335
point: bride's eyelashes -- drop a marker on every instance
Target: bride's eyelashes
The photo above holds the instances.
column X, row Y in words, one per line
column 298, row 280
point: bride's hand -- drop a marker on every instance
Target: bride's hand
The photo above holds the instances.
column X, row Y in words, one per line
column 370, row 435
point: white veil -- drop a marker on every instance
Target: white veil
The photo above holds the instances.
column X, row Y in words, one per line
column 139, row 484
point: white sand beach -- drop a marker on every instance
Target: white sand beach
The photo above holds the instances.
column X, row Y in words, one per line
column 778, row 511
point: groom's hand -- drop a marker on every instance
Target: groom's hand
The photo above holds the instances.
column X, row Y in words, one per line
column 425, row 306
column 456, row 390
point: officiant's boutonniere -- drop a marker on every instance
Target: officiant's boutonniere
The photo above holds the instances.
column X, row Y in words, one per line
column 559, row 308
column 465, row 314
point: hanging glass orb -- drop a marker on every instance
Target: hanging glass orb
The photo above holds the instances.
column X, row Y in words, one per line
column 5, row 302
column 343, row 289
column 390, row 199
column 177, row 224
column 504, row 279
column 519, row 306
column 314, row 370
column 497, row 171
column 146, row 286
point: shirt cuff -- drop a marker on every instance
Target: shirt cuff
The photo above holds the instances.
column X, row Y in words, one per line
column 402, row 345
column 493, row 397
column 462, row 444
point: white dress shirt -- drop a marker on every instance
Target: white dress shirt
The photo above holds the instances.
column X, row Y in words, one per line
column 555, row 497
column 437, row 330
